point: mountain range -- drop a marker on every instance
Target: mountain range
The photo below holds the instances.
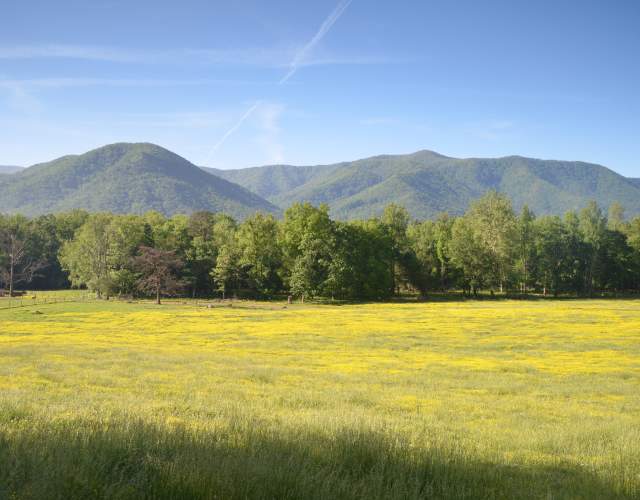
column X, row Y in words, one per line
column 125, row 178
column 427, row 183
column 137, row 177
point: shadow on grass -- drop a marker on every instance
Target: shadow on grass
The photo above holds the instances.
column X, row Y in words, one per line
column 481, row 297
column 132, row 459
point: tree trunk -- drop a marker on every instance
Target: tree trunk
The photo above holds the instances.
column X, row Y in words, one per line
column 590, row 273
column 158, row 295
column 393, row 277
column 11, row 276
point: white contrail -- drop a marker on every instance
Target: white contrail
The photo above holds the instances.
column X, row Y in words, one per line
column 324, row 29
column 294, row 65
column 235, row 127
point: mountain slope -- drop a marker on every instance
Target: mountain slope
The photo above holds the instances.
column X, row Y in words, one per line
column 272, row 179
column 124, row 178
column 427, row 183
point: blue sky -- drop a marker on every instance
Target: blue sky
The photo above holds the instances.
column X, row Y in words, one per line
column 242, row 83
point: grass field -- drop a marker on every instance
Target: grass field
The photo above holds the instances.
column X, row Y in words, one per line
column 488, row 399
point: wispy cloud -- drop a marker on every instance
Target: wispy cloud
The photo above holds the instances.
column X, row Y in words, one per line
column 292, row 59
column 275, row 57
column 68, row 52
column 303, row 53
column 299, row 58
column 19, row 99
column 235, row 127
column 118, row 82
column 250, row 56
column 268, row 115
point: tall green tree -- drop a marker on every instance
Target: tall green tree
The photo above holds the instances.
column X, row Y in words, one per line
column 200, row 256
column 46, row 239
column 443, row 234
column 127, row 234
column 484, row 241
column 616, row 262
column 308, row 242
column 552, row 250
column 526, row 248
column 359, row 266
column 577, row 251
column 396, row 219
column 633, row 240
column 593, row 225
column 227, row 272
column 99, row 256
column 615, row 217
column 423, row 240
column 88, row 257
column 260, row 256
column 469, row 255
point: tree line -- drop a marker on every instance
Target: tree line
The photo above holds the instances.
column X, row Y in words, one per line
column 307, row 254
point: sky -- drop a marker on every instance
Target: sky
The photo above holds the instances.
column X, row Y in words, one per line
column 242, row 83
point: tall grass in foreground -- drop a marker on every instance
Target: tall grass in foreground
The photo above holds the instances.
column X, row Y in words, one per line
column 244, row 458
column 471, row 400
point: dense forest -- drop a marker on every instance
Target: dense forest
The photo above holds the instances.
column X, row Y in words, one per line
column 307, row 254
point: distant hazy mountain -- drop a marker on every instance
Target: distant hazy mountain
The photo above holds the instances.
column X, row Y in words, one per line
column 427, row 183
column 9, row 169
column 124, row 178
column 272, row 180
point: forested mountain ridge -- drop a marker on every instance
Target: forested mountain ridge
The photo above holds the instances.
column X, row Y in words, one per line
column 124, row 178
column 137, row 177
column 427, row 183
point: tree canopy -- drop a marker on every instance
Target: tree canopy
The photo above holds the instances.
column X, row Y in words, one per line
column 308, row 254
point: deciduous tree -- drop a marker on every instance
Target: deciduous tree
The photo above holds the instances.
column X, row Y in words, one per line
column 158, row 271
column 17, row 263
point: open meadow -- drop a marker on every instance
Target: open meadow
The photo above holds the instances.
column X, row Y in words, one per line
column 475, row 399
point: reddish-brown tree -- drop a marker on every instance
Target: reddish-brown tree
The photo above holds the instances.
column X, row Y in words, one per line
column 158, row 269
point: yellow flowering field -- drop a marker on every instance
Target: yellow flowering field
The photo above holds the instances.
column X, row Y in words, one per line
column 475, row 399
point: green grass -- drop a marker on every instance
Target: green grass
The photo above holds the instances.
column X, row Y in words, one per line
column 489, row 399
